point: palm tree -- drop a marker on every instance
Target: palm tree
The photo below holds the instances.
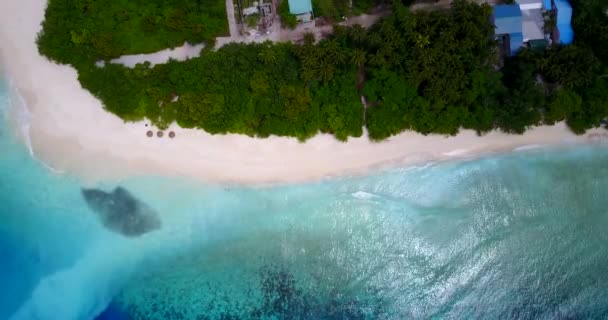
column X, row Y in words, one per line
column 267, row 56
column 326, row 70
column 332, row 47
column 308, row 74
column 375, row 40
column 310, row 59
column 392, row 37
column 358, row 57
column 543, row 63
column 357, row 33
column 339, row 32
column 378, row 59
column 334, row 52
column 309, row 56
column 386, row 27
column 422, row 41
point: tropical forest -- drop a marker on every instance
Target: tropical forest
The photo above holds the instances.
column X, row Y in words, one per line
column 433, row 72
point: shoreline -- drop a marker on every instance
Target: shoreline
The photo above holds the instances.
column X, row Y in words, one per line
column 70, row 132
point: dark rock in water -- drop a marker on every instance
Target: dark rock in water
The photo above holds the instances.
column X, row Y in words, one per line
column 121, row 212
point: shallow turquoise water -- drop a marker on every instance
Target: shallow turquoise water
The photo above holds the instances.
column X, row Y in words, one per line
column 520, row 236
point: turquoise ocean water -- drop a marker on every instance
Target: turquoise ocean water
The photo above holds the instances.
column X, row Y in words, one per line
column 520, row 236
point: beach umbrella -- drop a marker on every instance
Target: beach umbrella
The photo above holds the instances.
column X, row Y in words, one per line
column 149, row 133
column 159, row 134
column 171, row 134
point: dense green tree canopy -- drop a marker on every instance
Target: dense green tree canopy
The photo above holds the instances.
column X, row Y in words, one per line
column 432, row 72
column 77, row 31
column 590, row 23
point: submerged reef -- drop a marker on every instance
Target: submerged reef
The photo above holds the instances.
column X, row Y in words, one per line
column 283, row 297
column 119, row 211
column 278, row 294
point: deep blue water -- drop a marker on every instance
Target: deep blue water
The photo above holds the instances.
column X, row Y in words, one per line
column 520, row 236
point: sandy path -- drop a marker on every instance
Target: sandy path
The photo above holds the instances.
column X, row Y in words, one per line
column 182, row 53
column 71, row 132
column 188, row 51
column 234, row 30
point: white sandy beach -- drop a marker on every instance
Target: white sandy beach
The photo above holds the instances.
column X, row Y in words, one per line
column 72, row 133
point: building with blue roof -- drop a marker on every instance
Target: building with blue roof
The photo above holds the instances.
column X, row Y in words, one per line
column 302, row 9
column 508, row 22
column 523, row 23
column 563, row 33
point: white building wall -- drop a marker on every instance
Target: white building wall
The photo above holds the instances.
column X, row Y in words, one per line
column 531, row 6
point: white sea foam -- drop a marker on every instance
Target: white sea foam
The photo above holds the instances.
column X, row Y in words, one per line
column 23, row 121
column 456, row 153
column 362, row 195
column 528, row 147
column 83, row 290
column 22, row 114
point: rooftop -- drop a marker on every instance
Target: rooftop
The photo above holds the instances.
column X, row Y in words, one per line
column 530, row 4
column 507, row 19
column 533, row 25
column 520, row 2
column 507, row 10
column 563, row 5
column 300, row 6
column 564, row 11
